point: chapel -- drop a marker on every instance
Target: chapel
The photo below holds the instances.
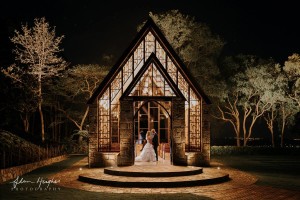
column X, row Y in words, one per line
column 149, row 87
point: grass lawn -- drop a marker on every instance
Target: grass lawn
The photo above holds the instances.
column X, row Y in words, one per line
column 281, row 171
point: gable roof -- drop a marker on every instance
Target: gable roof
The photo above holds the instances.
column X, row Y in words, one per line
column 153, row 59
column 149, row 25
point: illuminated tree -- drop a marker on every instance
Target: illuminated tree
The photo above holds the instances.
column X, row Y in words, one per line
column 292, row 69
column 228, row 106
column 75, row 88
column 287, row 112
column 249, row 94
column 196, row 45
column 290, row 103
column 257, row 86
column 229, row 112
column 276, row 96
column 37, row 50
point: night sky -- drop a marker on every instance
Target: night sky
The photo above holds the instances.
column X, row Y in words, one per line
column 95, row 28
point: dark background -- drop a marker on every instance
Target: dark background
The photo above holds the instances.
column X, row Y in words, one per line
column 96, row 28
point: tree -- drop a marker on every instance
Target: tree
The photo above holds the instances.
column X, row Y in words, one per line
column 25, row 102
column 288, row 110
column 270, row 118
column 229, row 106
column 292, row 69
column 75, row 88
column 276, row 96
column 250, row 87
column 256, row 90
column 290, row 103
column 196, row 45
column 229, row 112
column 37, row 50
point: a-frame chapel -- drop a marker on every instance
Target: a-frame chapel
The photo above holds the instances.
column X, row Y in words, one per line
column 149, row 87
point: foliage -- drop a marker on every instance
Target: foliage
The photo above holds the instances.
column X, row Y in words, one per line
column 36, row 51
column 292, row 69
column 74, row 88
column 18, row 94
column 196, row 45
column 252, row 89
column 18, row 151
column 37, row 48
column 259, row 150
column 77, row 142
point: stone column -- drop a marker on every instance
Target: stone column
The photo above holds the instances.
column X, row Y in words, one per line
column 177, row 132
column 93, row 134
column 206, row 135
column 126, row 156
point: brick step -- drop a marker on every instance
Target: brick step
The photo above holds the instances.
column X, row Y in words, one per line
column 212, row 176
column 151, row 171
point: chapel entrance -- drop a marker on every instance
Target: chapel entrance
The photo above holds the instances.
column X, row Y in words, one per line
column 150, row 115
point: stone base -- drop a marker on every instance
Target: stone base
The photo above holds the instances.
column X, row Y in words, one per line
column 155, row 176
column 104, row 159
column 197, row 159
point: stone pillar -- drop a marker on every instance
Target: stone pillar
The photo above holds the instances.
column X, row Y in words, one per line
column 126, row 156
column 177, row 132
column 205, row 135
column 93, row 134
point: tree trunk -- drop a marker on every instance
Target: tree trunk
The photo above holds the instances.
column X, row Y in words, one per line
column 40, row 109
column 244, row 129
column 283, row 126
column 282, row 133
column 250, row 129
column 42, row 122
column 238, row 143
column 26, row 122
column 238, row 132
column 272, row 134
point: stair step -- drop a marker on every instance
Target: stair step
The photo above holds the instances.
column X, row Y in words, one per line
column 213, row 177
column 150, row 171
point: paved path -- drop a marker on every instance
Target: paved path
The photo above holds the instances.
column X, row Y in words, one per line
column 242, row 186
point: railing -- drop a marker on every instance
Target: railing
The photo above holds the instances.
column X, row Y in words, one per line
column 18, row 156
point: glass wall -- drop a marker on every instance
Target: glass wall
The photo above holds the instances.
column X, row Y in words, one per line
column 152, row 83
column 152, row 115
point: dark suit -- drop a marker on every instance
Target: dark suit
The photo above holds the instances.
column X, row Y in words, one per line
column 155, row 144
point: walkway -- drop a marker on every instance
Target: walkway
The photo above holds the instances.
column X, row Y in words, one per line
column 242, row 186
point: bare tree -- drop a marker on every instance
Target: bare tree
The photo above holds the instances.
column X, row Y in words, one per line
column 37, row 50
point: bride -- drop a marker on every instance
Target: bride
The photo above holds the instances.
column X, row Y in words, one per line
column 147, row 154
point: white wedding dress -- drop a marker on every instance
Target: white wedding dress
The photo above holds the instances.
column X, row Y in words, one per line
column 147, row 155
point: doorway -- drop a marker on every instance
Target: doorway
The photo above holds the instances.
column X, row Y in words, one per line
column 153, row 115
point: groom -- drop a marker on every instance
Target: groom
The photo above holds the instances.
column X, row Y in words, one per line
column 155, row 142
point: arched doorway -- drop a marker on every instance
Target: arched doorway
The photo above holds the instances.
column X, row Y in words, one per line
column 150, row 115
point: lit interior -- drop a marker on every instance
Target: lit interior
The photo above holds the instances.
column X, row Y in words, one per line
column 152, row 83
